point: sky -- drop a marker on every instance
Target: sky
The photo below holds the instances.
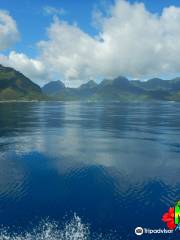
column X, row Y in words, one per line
column 76, row 41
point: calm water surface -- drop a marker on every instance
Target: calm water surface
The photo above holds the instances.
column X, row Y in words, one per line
column 87, row 170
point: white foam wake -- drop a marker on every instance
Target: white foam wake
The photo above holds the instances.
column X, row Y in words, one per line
column 48, row 230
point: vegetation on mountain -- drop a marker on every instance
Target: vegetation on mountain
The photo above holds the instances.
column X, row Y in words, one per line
column 120, row 89
column 15, row 86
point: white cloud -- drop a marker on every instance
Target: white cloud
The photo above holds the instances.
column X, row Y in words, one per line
column 34, row 69
column 8, row 30
column 131, row 41
column 68, row 51
column 49, row 10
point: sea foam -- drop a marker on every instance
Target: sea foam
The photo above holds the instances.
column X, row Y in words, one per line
column 49, row 230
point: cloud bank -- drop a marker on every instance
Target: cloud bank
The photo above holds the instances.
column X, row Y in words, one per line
column 131, row 41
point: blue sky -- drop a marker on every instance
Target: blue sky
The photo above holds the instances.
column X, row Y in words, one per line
column 32, row 23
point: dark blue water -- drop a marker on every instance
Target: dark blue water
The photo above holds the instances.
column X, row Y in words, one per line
column 87, row 170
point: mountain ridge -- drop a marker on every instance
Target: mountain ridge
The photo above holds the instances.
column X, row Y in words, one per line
column 16, row 86
column 121, row 88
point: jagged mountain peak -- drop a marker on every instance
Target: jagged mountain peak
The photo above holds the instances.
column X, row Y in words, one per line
column 90, row 84
column 53, row 87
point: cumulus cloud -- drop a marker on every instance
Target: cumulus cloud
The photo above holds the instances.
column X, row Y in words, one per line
column 32, row 68
column 8, row 30
column 131, row 41
column 72, row 49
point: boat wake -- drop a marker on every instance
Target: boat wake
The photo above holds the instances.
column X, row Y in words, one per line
column 51, row 230
column 48, row 230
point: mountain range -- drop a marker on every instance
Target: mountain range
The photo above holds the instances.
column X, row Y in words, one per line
column 117, row 89
column 16, row 86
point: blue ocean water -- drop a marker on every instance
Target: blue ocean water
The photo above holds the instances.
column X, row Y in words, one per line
column 77, row 171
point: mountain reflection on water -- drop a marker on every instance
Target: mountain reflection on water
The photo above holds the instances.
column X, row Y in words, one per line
column 114, row 164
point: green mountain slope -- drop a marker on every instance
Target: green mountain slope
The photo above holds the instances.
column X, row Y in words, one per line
column 53, row 88
column 121, row 89
column 15, row 86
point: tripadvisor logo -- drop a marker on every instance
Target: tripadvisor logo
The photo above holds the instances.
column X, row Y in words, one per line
column 139, row 231
column 171, row 218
